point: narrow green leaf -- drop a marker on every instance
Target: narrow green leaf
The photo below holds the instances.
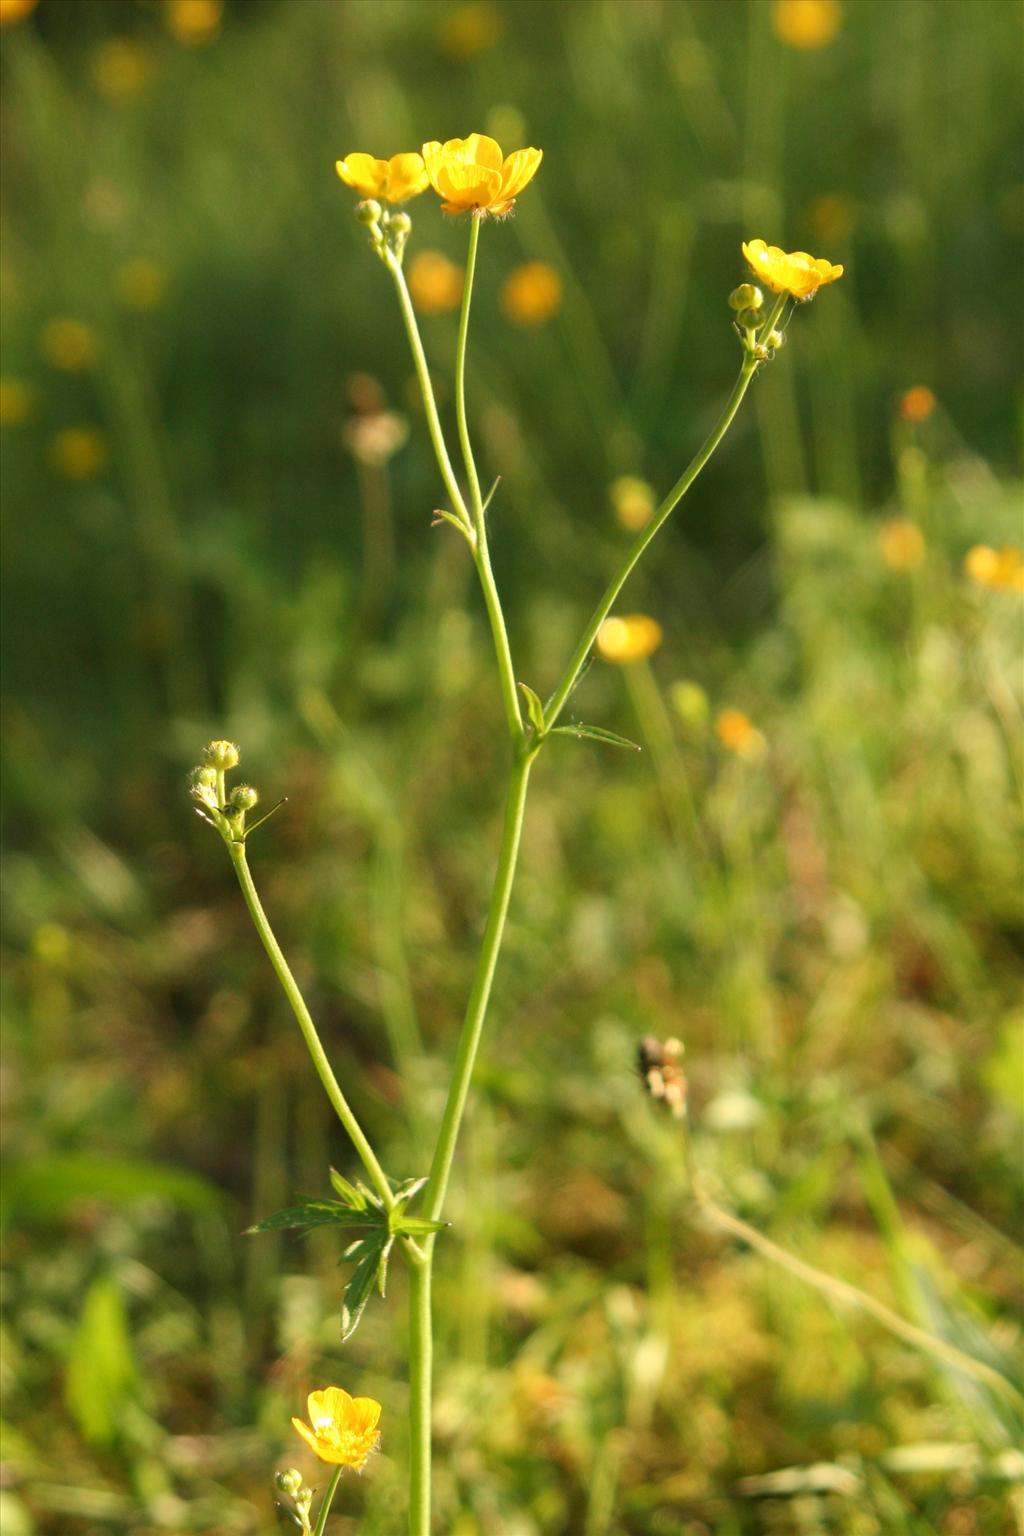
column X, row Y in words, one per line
column 534, row 708
column 596, row 733
column 408, row 1188
column 416, row 1226
column 382, row 1267
column 357, row 1291
column 352, row 1197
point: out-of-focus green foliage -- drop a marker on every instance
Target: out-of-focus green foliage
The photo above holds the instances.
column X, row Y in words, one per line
column 831, row 920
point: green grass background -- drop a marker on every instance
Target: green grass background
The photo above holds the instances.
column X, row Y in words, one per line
column 834, row 930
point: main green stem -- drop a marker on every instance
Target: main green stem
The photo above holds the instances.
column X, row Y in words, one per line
column 290, row 988
column 558, row 699
column 325, row 1507
column 472, row 522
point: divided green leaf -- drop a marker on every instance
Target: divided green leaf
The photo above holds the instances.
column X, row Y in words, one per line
column 317, row 1213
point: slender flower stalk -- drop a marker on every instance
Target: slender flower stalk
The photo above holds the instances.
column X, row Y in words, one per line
column 557, row 701
column 328, row 1500
column 304, row 1018
column 476, row 501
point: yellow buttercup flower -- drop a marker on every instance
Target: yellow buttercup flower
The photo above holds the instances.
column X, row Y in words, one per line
column 435, row 283
column 17, row 402
column 917, row 404
column 14, row 10
column 121, row 68
column 394, row 180
column 79, row 453
column 342, row 1430
column 631, row 638
column 789, row 272
column 735, row 732
column 1001, row 570
column 633, row 500
column 471, row 29
column 69, row 345
column 194, row 22
column 472, row 176
column 901, row 543
column 141, row 285
column 532, row 293
column 806, row 24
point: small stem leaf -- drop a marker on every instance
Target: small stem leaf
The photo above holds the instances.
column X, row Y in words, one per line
column 349, row 1194
column 534, row 708
column 382, row 1267
column 357, row 1291
column 596, row 733
column 317, row 1213
column 405, row 1191
column 490, row 495
column 416, row 1226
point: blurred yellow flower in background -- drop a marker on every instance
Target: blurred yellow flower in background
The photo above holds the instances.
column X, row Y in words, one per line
column 194, row 22
column 471, row 29
column 831, row 217
column 1002, row 570
column 738, row 735
column 17, row 402
column 121, row 68
column 917, row 404
column 342, row 1430
column 70, row 345
column 631, row 638
column 141, row 285
column 793, row 272
column 901, row 543
column 15, row 10
column 435, row 283
column 633, row 501
column 806, row 24
column 79, row 453
column 472, row 175
column 394, row 180
column 532, row 293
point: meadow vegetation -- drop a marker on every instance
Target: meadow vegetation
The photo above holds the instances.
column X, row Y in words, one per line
column 219, row 488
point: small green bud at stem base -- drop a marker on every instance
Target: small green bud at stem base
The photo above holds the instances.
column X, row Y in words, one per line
column 243, row 797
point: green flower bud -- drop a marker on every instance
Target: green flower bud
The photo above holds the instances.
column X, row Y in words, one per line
column 776, row 340
column 748, row 318
column 243, row 797
column 368, row 212
column 202, row 784
column 746, row 296
column 221, row 755
column 401, row 225
column 289, row 1481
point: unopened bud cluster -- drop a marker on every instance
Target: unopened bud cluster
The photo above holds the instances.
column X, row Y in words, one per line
column 291, row 1484
column 226, row 812
column 747, row 304
column 388, row 231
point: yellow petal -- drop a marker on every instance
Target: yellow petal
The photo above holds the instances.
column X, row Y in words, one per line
column 407, row 177
column 482, row 150
column 364, row 1415
column 307, row 1434
column 519, row 170
column 335, row 1404
column 364, row 174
